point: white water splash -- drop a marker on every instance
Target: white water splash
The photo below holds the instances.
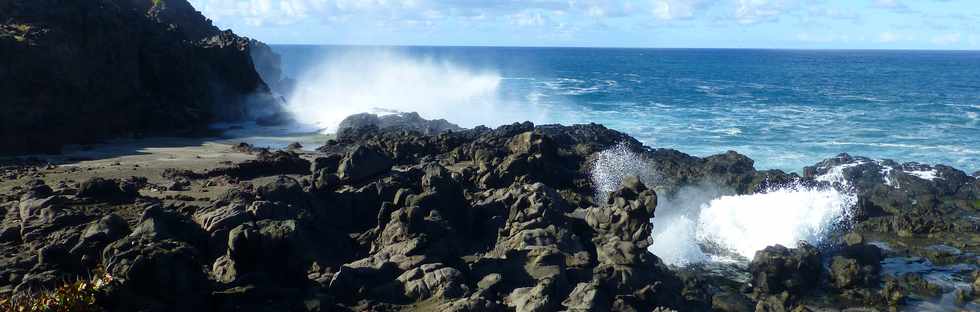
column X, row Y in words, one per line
column 925, row 174
column 703, row 215
column 748, row 223
column 384, row 81
column 612, row 165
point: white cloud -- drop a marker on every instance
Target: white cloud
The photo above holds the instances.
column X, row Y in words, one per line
column 888, row 4
column 888, row 37
column 676, row 9
column 947, row 39
column 526, row 18
column 756, row 11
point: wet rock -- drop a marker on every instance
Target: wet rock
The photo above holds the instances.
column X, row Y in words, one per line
column 853, row 239
column 777, row 269
column 858, row 264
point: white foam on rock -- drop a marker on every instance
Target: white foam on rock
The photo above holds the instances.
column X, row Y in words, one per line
column 699, row 216
column 925, row 174
column 748, row 223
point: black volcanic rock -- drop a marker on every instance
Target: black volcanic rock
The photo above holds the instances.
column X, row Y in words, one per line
column 395, row 122
column 481, row 219
column 81, row 71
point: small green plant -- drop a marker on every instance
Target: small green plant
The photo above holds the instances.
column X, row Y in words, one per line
column 23, row 28
column 79, row 296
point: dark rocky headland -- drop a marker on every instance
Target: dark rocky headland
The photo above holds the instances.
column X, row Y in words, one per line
column 75, row 72
column 397, row 213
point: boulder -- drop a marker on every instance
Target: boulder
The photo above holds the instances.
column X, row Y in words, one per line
column 297, row 248
column 267, row 164
column 163, row 274
column 110, row 189
column 361, row 163
column 96, row 236
column 777, row 269
column 397, row 122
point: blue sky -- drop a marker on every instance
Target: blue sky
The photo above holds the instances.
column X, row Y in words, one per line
column 820, row 24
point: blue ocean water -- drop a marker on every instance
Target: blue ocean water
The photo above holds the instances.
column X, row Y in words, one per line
column 784, row 108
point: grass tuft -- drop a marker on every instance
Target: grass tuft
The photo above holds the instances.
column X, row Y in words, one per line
column 79, row 296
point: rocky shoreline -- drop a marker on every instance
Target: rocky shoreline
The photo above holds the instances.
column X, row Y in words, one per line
column 504, row 219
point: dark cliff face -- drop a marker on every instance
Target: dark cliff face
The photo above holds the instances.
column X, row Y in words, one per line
column 78, row 71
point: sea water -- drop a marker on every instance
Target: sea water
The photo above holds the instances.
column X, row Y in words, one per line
column 783, row 108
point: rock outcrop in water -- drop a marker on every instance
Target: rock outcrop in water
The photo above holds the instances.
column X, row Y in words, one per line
column 483, row 219
column 81, row 71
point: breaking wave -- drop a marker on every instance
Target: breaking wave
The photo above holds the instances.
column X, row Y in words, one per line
column 702, row 223
column 385, row 81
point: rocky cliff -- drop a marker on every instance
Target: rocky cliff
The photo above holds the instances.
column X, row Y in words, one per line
column 77, row 71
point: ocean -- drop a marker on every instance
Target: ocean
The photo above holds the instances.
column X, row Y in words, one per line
column 785, row 109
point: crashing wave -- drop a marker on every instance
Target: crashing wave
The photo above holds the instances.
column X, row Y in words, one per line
column 702, row 223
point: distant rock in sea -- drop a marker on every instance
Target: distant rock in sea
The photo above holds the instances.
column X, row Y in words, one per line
column 410, row 121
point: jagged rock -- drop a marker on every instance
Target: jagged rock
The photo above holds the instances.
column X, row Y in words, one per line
column 157, row 274
column 329, row 163
column 284, row 190
column 96, row 236
column 224, row 217
column 178, row 185
column 586, row 297
column 541, row 297
column 110, row 189
column 397, row 122
column 777, row 269
column 361, row 163
column 731, row 302
column 432, row 280
column 298, row 247
column 266, row 164
column 159, row 223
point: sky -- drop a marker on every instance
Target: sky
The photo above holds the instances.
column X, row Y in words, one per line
column 781, row 24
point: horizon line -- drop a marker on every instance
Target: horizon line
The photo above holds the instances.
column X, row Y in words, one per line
column 616, row 47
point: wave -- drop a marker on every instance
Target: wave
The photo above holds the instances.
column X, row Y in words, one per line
column 703, row 223
column 385, row 81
